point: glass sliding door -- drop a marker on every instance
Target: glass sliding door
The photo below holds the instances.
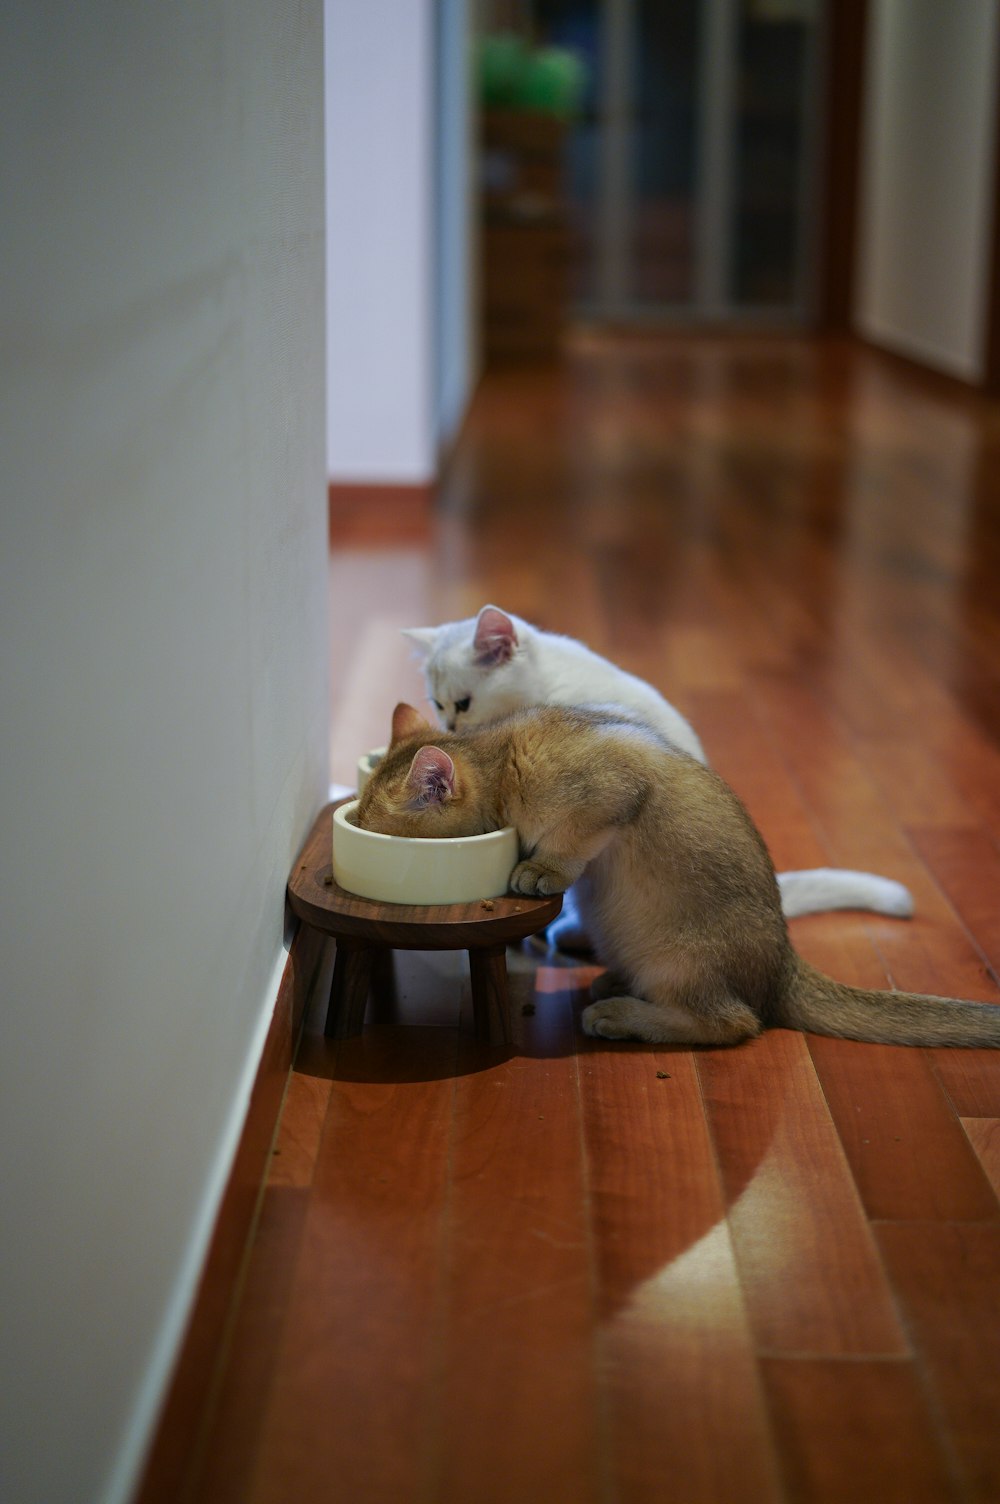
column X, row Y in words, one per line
column 689, row 168
column 776, row 129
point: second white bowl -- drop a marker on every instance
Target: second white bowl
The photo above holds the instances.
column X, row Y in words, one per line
column 368, row 764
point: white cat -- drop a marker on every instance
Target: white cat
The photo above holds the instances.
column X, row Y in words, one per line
column 482, row 668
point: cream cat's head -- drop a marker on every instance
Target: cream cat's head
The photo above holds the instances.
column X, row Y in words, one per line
column 476, row 670
column 418, row 788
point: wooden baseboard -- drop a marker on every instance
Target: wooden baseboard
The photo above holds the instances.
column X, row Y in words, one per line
column 941, row 383
column 379, row 516
column 173, row 1451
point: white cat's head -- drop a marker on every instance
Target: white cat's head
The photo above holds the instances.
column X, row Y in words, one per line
column 476, row 670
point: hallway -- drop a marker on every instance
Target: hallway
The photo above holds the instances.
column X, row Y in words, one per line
column 593, row 1272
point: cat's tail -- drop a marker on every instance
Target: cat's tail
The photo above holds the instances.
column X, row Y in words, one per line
column 821, row 888
column 818, row 1003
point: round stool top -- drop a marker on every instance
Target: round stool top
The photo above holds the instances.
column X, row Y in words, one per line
column 318, row 901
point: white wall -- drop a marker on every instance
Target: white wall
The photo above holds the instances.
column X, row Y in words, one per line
column 927, row 192
column 399, row 276
column 380, row 205
column 162, row 642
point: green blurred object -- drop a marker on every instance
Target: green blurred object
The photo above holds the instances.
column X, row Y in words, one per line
column 514, row 76
column 552, row 81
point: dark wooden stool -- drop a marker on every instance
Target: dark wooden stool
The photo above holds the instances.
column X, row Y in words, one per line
column 367, row 932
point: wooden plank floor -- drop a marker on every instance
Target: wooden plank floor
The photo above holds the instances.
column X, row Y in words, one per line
column 596, row 1272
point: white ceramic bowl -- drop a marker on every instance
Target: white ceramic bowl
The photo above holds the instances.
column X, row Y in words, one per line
column 367, row 764
column 420, row 870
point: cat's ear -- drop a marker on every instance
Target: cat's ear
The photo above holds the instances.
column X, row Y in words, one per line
column 431, row 779
column 423, row 638
column 407, row 722
column 496, row 637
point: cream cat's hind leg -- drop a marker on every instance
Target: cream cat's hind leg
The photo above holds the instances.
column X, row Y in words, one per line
column 725, row 1020
column 608, row 984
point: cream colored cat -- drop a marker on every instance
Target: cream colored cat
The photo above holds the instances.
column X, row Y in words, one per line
column 673, row 878
column 493, row 663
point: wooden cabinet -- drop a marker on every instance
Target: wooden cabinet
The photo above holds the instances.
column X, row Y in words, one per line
column 525, row 240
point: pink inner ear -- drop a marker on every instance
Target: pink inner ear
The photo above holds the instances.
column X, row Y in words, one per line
column 496, row 637
column 431, row 778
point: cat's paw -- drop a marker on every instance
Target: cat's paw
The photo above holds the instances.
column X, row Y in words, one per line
column 536, row 880
column 613, row 1019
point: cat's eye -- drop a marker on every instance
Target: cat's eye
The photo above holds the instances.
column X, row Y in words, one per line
column 461, row 706
column 438, row 706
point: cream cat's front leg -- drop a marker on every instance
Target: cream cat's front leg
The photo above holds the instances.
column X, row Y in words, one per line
column 543, row 876
column 558, row 857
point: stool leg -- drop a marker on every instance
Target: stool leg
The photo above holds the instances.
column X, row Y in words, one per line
column 352, row 972
column 490, row 1001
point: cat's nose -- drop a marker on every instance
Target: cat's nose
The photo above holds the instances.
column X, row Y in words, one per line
column 452, row 724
